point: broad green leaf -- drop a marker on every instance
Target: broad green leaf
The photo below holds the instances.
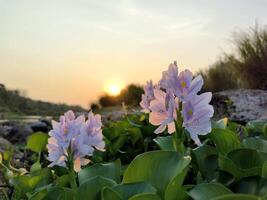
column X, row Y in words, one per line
column 251, row 185
column 118, row 143
column 135, row 134
column 264, row 170
column 241, row 163
column 63, row 181
column 160, row 169
column 256, row 143
column 206, row 159
column 60, row 193
column 111, row 170
column 36, row 166
column 39, row 195
column 237, row 197
column 256, row 127
column 207, row 191
column 165, row 142
column 128, row 190
column 145, row 197
column 37, row 142
column 91, row 189
column 109, row 194
column 28, row 183
column 225, row 140
column 174, row 188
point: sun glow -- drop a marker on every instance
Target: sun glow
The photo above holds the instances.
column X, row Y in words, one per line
column 114, row 88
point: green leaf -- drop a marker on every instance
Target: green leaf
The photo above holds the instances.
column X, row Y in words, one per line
column 225, row 140
column 206, row 191
column 256, row 143
column 241, row 163
column 36, row 166
column 39, row 195
column 91, row 189
column 63, row 181
column 28, row 183
column 256, row 127
column 165, row 142
column 60, row 193
column 109, row 194
column 37, row 142
column 135, row 134
column 251, row 185
column 206, row 159
column 128, row 190
column 117, row 144
column 145, row 197
column 237, row 197
column 164, row 170
column 111, row 170
column 264, row 170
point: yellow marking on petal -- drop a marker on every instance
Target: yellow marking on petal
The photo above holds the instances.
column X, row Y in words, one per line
column 190, row 112
column 65, row 131
column 183, row 84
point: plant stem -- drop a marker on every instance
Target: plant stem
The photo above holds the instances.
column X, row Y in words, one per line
column 178, row 136
column 178, row 139
column 72, row 174
column 73, row 182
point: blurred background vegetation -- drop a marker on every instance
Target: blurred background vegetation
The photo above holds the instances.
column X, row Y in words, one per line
column 14, row 101
column 246, row 67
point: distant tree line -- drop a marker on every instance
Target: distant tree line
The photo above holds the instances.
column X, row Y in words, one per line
column 14, row 102
column 131, row 95
column 245, row 68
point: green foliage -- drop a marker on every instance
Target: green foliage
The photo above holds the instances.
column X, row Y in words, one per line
column 225, row 140
column 169, row 166
column 37, row 142
column 140, row 165
column 208, row 191
column 14, row 101
column 110, row 170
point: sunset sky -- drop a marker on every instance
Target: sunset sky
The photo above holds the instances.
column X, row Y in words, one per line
column 71, row 51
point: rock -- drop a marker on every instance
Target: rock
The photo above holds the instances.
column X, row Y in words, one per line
column 15, row 132
column 40, row 126
column 241, row 105
column 4, row 145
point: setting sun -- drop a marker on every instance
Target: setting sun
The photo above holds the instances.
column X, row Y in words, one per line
column 114, row 90
column 114, row 87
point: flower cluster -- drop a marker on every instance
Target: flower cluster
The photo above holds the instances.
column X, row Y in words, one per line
column 73, row 139
column 177, row 94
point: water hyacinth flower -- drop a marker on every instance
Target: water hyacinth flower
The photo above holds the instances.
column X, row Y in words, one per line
column 163, row 111
column 183, row 85
column 179, row 91
column 74, row 139
column 196, row 114
column 147, row 97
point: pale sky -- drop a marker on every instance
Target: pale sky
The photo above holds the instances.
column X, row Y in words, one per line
column 69, row 51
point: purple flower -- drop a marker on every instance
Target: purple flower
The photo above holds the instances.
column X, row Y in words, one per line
column 163, row 111
column 196, row 114
column 147, row 97
column 74, row 137
column 182, row 85
column 67, row 128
